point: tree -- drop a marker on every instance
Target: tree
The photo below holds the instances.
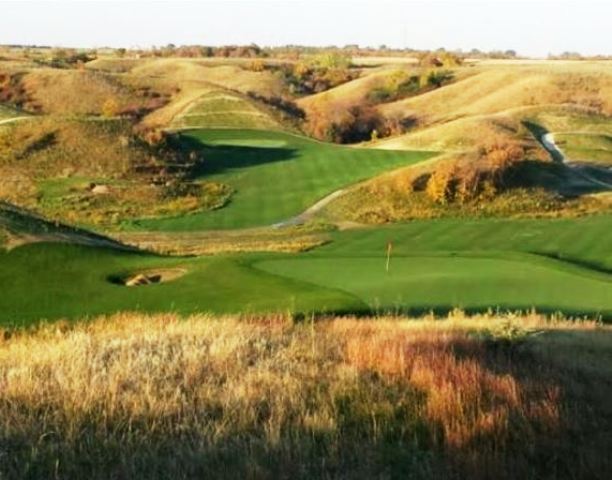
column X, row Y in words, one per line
column 439, row 184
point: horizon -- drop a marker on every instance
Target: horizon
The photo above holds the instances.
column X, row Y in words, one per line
column 532, row 29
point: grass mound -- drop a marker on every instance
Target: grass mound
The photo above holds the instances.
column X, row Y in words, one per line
column 264, row 397
column 220, row 109
column 19, row 226
column 186, row 81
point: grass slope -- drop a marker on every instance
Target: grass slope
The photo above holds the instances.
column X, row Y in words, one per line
column 275, row 175
column 592, row 148
column 8, row 112
column 221, row 109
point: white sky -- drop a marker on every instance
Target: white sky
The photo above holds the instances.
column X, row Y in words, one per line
column 533, row 28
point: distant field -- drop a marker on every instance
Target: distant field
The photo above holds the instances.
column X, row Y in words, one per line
column 550, row 265
column 275, row 175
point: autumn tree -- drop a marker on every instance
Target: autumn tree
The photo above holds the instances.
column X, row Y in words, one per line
column 439, row 185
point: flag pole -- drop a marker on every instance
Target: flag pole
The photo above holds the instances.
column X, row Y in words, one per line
column 389, row 247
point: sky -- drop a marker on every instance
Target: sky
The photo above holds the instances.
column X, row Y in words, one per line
column 531, row 27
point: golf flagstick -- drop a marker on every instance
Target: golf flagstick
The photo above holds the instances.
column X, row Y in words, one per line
column 389, row 248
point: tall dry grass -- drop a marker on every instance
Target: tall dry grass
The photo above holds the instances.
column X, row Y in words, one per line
column 135, row 396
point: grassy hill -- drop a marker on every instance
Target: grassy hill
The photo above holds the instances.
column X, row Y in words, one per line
column 496, row 99
column 187, row 81
column 225, row 109
column 19, row 227
column 498, row 89
column 77, row 92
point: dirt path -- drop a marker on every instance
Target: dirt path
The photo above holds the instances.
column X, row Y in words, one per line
column 311, row 211
column 548, row 141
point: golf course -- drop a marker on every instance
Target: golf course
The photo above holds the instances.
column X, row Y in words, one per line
column 275, row 176
column 292, row 240
column 554, row 266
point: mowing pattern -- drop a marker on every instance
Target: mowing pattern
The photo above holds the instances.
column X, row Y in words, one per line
column 275, row 175
column 222, row 109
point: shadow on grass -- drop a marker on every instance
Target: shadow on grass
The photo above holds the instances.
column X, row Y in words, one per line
column 429, row 406
column 223, row 158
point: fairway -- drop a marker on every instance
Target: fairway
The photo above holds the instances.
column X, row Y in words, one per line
column 550, row 265
column 275, row 176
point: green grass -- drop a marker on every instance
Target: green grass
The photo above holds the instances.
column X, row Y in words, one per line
column 593, row 148
column 551, row 265
column 275, row 176
column 50, row 281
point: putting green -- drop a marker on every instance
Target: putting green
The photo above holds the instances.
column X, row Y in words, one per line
column 447, row 281
column 275, row 176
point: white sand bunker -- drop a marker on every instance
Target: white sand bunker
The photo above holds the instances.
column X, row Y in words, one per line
column 151, row 277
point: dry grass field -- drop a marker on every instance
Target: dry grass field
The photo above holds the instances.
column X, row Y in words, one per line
column 133, row 396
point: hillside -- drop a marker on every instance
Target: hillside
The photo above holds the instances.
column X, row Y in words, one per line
column 225, row 109
column 187, row 81
column 19, row 227
column 99, row 171
column 498, row 89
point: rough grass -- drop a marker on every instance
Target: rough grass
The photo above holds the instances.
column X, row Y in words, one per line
column 78, row 92
column 220, row 109
column 134, row 396
column 187, row 80
column 299, row 239
column 592, row 148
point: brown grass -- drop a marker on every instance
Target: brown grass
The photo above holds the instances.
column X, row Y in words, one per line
column 136, row 396
column 78, row 92
column 210, row 243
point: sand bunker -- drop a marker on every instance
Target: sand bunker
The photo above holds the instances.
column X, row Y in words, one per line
column 151, row 277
